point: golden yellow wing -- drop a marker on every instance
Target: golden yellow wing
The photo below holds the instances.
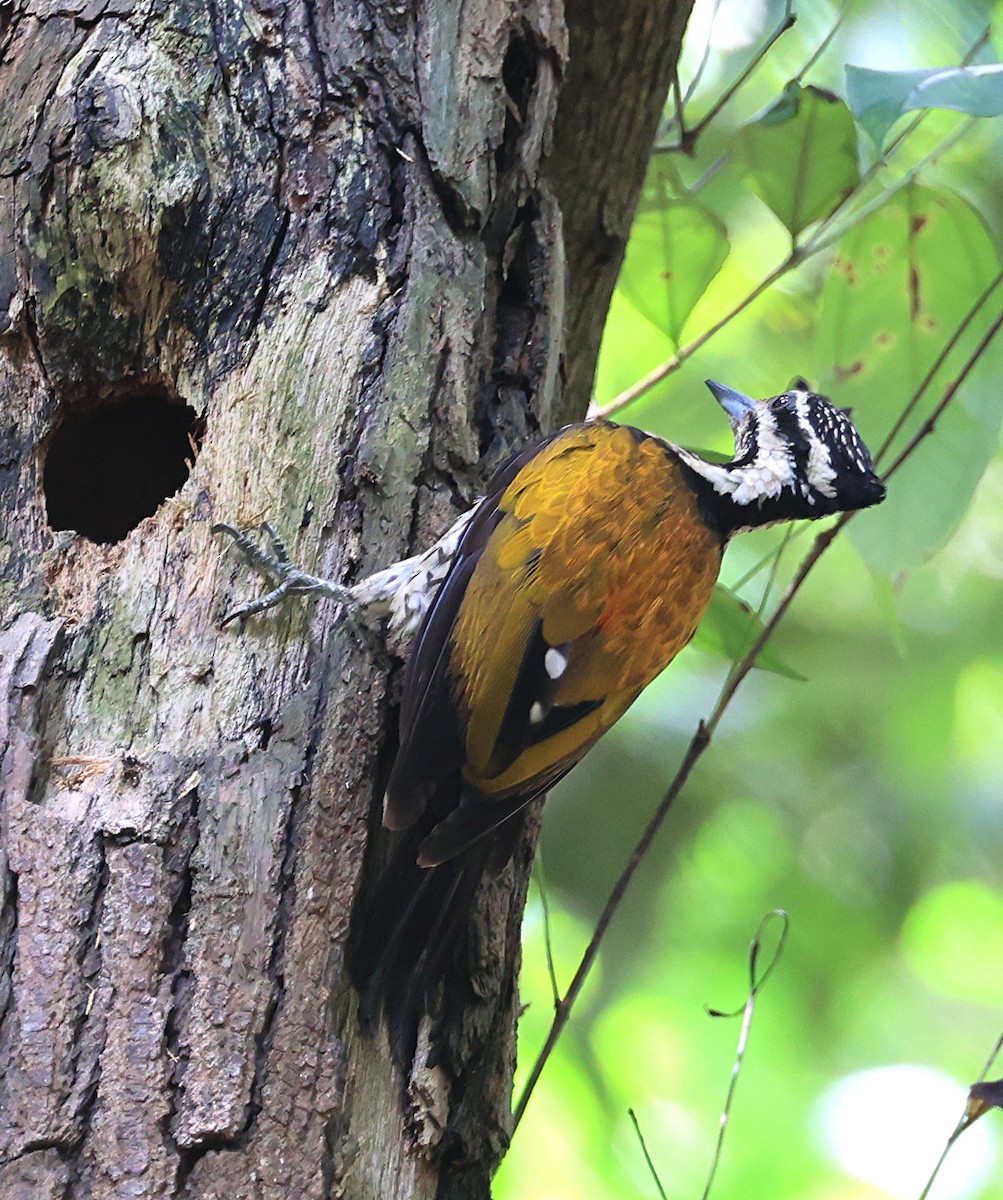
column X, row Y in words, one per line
column 595, row 576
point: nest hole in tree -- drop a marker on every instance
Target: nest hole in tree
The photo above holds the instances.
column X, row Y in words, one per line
column 109, row 466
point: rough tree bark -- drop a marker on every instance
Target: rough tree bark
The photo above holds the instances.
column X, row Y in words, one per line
column 324, row 256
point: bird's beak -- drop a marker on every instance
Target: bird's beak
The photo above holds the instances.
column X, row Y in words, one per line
column 735, row 404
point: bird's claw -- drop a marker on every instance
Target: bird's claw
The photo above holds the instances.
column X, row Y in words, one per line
column 276, row 566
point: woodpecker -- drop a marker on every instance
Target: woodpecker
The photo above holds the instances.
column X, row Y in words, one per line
column 539, row 618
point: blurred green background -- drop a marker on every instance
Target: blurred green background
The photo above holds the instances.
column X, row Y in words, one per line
column 864, row 800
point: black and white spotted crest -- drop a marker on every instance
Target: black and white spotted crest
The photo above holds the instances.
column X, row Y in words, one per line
column 796, row 455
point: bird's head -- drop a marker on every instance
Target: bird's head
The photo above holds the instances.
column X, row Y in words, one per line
column 796, row 455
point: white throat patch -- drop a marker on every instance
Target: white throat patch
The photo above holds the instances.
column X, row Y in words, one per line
column 773, row 470
column 764, row 478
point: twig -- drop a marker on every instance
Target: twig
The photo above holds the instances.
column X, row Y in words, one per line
column 715, row 168
column 548, row 932
column 935, row 366
column 562, row 1009
column 988, row 1065
column 812, row 59
column 896, row 143
column 680, row 118
column 818, row 242
column 647, row 1156
column 688, row 138
column 930, row 424
column 705, row 731
column 756, row 982
column 771, row 579
column 963, row 1122
column 657, row 374
column 826, row 42
column 694, row 83
column 771, row 560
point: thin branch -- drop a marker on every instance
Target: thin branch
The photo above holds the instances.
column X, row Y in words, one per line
column 818, row 242
column 680, row 117
column 562, row 1010
column 548, row 932
column 771, row 579
column 765, row 561
column 771, row 560
column 756, row 982
column 826, row 42
column 899, row 140
column 706, row 729
column 694, row 83
column 930, row 424
column 963, row 1122
column 647, row 1156
column 714, row 169
column 988, row 1065
column 935, row 366
column 722, row 160
column 671, row 365
column 788, row 21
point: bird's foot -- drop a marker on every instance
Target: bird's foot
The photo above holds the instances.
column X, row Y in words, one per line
column 277, row 567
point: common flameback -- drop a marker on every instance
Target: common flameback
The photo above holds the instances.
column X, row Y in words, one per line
column 539, row 618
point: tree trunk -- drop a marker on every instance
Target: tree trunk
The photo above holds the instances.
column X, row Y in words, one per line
column 309, row 264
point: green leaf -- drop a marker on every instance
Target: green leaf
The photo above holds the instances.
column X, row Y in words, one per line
column 801, row 155
column 879, row 98
column 673, row 253
column 900, row 287
column 730, row 627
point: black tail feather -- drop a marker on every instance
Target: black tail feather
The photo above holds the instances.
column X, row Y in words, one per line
column 411, row 939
